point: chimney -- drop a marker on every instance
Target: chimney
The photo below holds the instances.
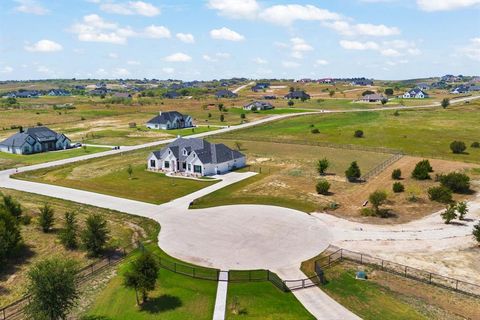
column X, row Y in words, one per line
column 160, row 113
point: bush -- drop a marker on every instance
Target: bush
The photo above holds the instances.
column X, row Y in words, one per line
column 377, row 199
column 476, row 232
column 396, row 113
column 456, row 181
column 367, row 212
column 475, row 144
column 458, row 147
column 315, row 131
column 389, row 92
column 358, row 134
column 440, row 194
column 10, row 236
column 322, row 166
column 398, row 187
column 353, row 172
column 95, row 235
column 323, row 186
column 445, row 103
column 396, row 174
column 450, row 213
column 46, row 218
column 422, row 169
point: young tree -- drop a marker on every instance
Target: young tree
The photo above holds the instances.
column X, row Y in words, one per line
column 421, row 171
column 398, row 187
column 353, row 172
column 68, row 236
column 322, row 166
column 52, row 288
column 358, row 134
column 462, row 209
column 291, row 89
column 242, row 116
column 46, row 218
column 440, row 194
column 142, row 276
column 11, row 206
column 95, row 235
column 476, row 232
column 445, row 103
column 238, row 145
column 209, row 115
column 396, row 174
column 322, row 186
column 458, row 147
column 331, row 93
column 456, row 181
column 384, row 101
column 10, row 235
column 222, row 118
column 377, row 199
column 290, row 103
column 220, row 107
column 389, row 92
column 129, row 171
column 449, row 214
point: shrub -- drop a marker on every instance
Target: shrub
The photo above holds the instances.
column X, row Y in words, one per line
column 290, row 103
column 449, row 214
column 315, row 131
column 476, row 232
column 322, row 166
column 398, row 187
column 353, row 172
column 10, row 236
column 396, row 174
column 422, row 169
column 95, row 235
column 445, row 103
column 323, row 186
column 462, row 210
column 458, row 147
column 456, row 181
column 389, row 92
column 475, row 144
column 396, row 113
column 367, row 212
column 46, row 218
column 358, row 134
column 440, row 194
column 377, row 199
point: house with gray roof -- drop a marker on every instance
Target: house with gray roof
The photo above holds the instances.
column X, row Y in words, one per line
column 415, row 93
column 297, row 94
column 170, row 120
column 375, row 97
column 258, row 105
column 195, row 157
column 225, row 94
column 35, row 140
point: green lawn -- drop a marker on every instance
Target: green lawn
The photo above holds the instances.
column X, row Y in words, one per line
column 262, row 300
column 8, row 160
column 427, row 132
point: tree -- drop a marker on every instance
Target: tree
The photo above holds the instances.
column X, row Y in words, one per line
column 462, row 209
column 142, row 276
column 396, row 174
column 68, row 236
column 238, row 145
column 11, row 206
column 331, row 93
column 220, row 106
column 11, row 101
column 242, row 116
column 389, row 92
column 222, row 118
column 377, row 199
column 95, row 235
column 449, row 214
column 475, row 144
column 46, row 218
column 384, row 101
column 421, row 171
column 440, row 194
column 290, row 103
column 129, row 171
column 322, row 186
column 398, row 187
column 209, row 115
column 476, row 232
column 455, row 181
column 353, row 172
column 445, row 103
column 254, row 109
column 458, row 147
column 367, row 92
column 52, row 288
column 322, row 166
column 291, row 89
column 10, row 236
column 358, row 134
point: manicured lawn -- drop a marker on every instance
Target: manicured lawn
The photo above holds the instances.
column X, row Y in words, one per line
column 8, row 160
column 262, row 300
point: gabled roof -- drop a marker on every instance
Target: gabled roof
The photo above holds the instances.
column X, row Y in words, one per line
column 165, row 117
column 374, row 96
column 40, row 134
column 259, row 104
column 297, row 95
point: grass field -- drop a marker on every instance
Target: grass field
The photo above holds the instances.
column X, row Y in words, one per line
column 262, row 300
column 425, row 133
column 8, row 160
column 109, row 176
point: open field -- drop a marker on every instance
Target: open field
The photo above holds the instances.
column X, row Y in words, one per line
column 262, row 300
column 108, row 175
column 8, row 160
column 426, row 133
column 124, row 230
column 389, row 296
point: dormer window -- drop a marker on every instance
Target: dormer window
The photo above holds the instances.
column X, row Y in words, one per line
column 185, row 152
column 169, row 152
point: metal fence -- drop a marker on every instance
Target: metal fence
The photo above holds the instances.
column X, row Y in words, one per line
column 381, row 167
column 399, row 269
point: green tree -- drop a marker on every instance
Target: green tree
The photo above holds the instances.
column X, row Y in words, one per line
column 449, row 214
column 440, row 194
column 142, row 275
column 290, row 103
column 10, row 236
column 322, row 166
column 353, row 172
column 238, row 145
column 11, row 206
column 322, row 186
column 331, row 93
column 367, row 92
column 95, row 235
column 476, row 232
column 46, row 218
column 129, row 171
column 456, row 181
column 396, row 174
column 358, row 134
column 398, row 187
column 458, row 147
column 11, row 101
column 291, row 89
column 421, row 171
column 68, row 236
column 445, row 103
column 220, row 107
column 222, row 118
column 384, row 101
column 389, row 92
column 377, row 199
column 52, row 288
column 242, row 116
column 462, row 209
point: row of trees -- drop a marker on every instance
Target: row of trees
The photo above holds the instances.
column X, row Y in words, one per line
column 352, row 174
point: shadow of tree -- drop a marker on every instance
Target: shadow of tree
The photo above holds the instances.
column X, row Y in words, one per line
column 22, row 255
column 95, row 318
column 163, row 303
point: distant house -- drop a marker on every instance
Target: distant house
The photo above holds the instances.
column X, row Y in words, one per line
column 326, row 80
column 424, row 86
column 297, row 94
column 171, row 95
column 26, row 94
column 170, row 120
column 123, row 95
column 271, row 97
column 460, row 89
column 35, row 140
column 260, row 86
column 79, row 87
column 196, row 157
column 415, row 93
column 225, row 94
column 474, row 88
column 362, row 82
column 258, row 105
column 58, row 92
column 98, row 92
column 372, row 98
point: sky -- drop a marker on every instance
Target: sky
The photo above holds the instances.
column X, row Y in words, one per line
column 213, row 39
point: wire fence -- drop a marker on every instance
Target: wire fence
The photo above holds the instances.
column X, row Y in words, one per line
column 381, row 167
column 398, row 269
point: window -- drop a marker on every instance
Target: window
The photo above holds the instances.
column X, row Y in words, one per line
column 184, row 165
column 185, row 152
column 166, row 164
column 197, row 169
column 153, row 163
column 189, row 167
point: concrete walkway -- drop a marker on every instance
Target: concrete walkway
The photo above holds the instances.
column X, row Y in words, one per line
column 221, row 298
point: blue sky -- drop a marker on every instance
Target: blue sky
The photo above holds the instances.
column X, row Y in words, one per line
column 211, row 39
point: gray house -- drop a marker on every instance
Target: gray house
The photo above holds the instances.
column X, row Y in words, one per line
column 35, row 140
column 195, row 157
column 170, row 120
column 258, row 105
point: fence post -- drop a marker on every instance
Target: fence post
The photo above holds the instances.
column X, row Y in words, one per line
column 382, row 264
column 405, row 271
column 430, row 279
column 193, row 272
column 456, row 285
column 329, row 258
column 341, row 254
column 175, row 267
column 92, row 269
column 303, row 283
column 361, row 258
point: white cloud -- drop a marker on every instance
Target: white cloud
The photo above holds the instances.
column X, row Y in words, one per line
column 121, row 72
column 131, row 8
column 223, row 55
column 389, row 52
column 44, row 70
column 113, row 55
column 216, row 57
column 394, row 48
column 133, row 62
column 157, row 32
column 364, row 29
column 226, row 34
column 472, row 51
column 299, row 46
column 357, row 45
column 44, row 46
column 6, row 70
column 168, row 70
column 101, row 72
column 445, row 5
column 287, row 14
column 30, row 6
column 259, row 60
column 185, row 37
column 321, row 62
column 290, row 64
column 178, row 57
column 94, row 29
column 235, row 8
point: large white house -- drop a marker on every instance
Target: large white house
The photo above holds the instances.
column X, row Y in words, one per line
column 415, row 93
column 35, row 140
column 170, row 120
column 195, row 157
